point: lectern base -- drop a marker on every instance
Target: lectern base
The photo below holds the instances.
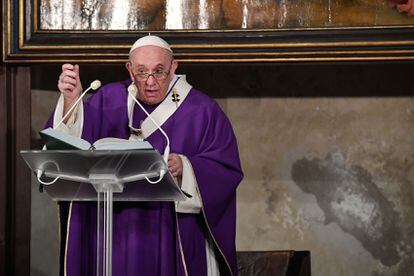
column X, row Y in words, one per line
column 104, row 225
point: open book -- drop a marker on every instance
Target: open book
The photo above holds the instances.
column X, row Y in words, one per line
column 57, row 140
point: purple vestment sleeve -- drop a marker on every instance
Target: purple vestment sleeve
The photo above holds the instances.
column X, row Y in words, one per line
column 49, row 122
column 218, row 173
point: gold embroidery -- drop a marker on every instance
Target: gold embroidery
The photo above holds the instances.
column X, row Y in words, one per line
column 175, row 97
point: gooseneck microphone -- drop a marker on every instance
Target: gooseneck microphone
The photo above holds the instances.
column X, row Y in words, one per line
column 132, row 90
column 94, row 85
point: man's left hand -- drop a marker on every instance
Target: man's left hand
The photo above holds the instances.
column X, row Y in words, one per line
column 175, row 165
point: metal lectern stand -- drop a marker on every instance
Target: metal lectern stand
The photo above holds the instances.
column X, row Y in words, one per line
column 104, row 175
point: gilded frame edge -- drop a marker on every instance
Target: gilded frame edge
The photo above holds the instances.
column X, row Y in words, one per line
column 379, row 43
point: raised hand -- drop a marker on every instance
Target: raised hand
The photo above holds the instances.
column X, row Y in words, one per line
column 69, row 84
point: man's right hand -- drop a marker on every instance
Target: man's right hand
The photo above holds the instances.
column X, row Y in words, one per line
column 69, row 84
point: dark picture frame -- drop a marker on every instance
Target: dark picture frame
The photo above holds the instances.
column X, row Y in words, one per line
column 24, row 42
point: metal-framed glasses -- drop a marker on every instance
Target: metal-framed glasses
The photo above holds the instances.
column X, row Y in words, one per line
column 158, row 74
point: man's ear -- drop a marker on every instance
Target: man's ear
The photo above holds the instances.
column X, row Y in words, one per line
column 128, row 66
column 174, row 66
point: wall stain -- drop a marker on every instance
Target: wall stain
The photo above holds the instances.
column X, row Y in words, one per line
column 349, row 197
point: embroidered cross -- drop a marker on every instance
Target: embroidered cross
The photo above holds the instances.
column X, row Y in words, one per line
column 175, row 96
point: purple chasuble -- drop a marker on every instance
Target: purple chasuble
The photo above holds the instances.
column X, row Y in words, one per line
column 149, row 238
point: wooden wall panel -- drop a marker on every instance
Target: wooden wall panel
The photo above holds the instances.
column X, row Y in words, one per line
column 14, row 173
column 3, row 172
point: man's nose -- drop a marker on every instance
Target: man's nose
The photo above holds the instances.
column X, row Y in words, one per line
column 150, row 80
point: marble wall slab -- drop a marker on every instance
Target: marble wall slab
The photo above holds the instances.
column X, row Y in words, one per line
column 333, row 176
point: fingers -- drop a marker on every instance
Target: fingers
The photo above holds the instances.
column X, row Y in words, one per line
column 66, row 87
column 69, row 74
column 76, row 71
column 68, row 78
column 67, row 66
column 175, row 165
column 69, row 81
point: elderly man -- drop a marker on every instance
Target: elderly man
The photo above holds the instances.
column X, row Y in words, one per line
column 194, row 237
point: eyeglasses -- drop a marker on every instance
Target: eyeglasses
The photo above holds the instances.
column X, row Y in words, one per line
column 157, row 74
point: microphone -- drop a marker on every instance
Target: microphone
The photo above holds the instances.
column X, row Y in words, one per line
column 132, row 90
column 94, row 85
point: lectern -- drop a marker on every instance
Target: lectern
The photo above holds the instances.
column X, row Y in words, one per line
column 107, row 176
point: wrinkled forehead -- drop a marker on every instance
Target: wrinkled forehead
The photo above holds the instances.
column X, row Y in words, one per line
column 150, row 56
